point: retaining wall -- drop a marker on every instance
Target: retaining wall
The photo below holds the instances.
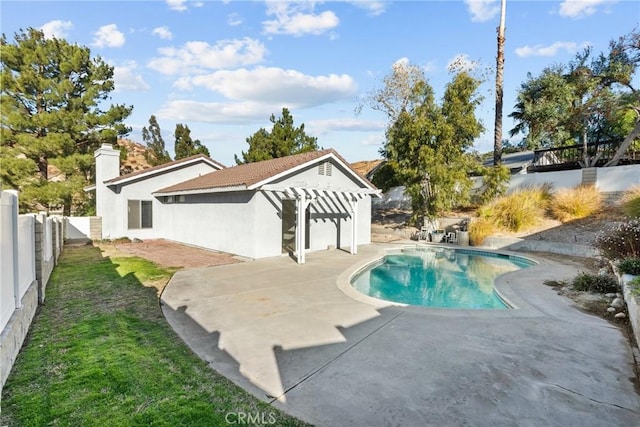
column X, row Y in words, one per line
column 633, row 306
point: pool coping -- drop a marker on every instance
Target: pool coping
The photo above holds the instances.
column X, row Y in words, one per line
column 503, row 284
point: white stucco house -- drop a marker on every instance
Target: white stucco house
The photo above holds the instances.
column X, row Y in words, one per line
column 290, row 205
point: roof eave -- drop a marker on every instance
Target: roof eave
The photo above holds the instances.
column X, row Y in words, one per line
column 125, row 179
column 201, row 191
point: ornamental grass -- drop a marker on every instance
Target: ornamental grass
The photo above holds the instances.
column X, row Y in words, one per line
column 631, row 202
column 569, row 204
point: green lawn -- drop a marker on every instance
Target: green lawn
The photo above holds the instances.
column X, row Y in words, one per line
column 100, row 352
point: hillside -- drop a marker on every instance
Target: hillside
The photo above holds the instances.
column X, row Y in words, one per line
column 135, row 160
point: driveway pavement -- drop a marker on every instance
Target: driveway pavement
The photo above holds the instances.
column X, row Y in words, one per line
column 296, row 336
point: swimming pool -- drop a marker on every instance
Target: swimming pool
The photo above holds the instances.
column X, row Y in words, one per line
column 439, row 277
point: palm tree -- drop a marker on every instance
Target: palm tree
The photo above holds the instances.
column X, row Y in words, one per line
column 497, row 133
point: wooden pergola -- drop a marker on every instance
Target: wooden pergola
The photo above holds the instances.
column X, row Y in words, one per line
column 304, row 195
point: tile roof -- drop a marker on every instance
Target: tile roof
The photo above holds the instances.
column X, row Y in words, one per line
column 169, row 165
column 250, row 174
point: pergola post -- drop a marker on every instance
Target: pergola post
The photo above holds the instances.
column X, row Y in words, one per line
column 300, row 227
column 353, row 203
column 302, row 202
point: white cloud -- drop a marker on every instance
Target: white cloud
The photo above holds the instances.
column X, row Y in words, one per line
column 162, row 32
column 483, row 10
column 374, row 140
column 217, row 112
column 375, row 8
column 109, row 36
column 298, row 19
column 347, row 125
column 429, row 67
column 178, row 5
column 550, row 50
column 197, row 57
column 233, row 19
column 581, row 8
column 56, row 29
column 126, row 78
column 266, row 85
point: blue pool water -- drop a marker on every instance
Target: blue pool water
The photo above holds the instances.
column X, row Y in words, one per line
column 439, row 277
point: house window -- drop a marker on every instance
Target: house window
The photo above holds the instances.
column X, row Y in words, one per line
column 140, row 214
column 169, row 199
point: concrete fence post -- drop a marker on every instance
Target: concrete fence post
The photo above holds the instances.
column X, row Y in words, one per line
column 41, row 219
column 59, row 236
column 54, row 239
column 8, row 240
column 63, row 230
column 95, row 228
column 10, row 237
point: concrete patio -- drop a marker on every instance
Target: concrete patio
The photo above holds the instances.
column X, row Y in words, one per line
column 288, row 334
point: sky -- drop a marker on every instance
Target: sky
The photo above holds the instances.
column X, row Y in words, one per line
column 224, row 67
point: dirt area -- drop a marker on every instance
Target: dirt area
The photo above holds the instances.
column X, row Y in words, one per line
column 175, row 255
column 578, row 232
column 388, row 225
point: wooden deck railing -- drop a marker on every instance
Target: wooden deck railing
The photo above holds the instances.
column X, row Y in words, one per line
column 572, row 156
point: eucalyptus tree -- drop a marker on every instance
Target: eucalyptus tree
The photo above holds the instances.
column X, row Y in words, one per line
column 54, row 113
column 428, row 142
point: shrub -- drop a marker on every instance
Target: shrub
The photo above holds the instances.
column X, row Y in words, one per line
column 568, row 204
column 601, row 283
column 630, row 266
column 480, row 228
column 620, row 242
column 495, row 181
column 631, row 201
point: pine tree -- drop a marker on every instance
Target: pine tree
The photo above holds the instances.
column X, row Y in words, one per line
column 53, row 113
column 185, row 146
column 283, row 140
